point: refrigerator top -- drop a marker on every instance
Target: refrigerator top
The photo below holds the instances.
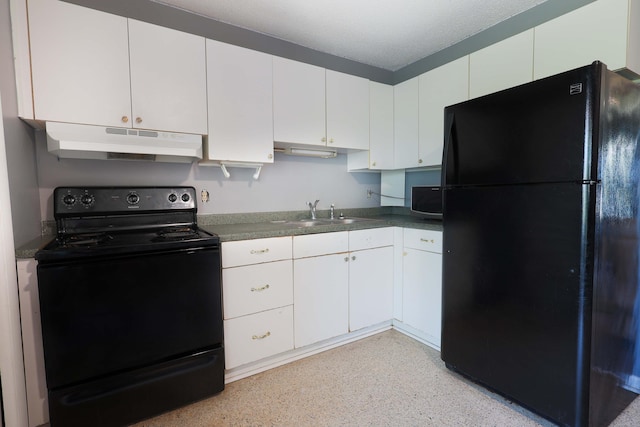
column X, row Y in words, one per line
column 542, row 132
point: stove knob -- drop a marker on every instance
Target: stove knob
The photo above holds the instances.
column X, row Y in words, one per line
column 173, row 197
column 87, row 199
column 185, row 197
column 133, row 198
column 69, row 199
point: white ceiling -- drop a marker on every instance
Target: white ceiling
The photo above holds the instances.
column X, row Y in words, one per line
column 389, row 34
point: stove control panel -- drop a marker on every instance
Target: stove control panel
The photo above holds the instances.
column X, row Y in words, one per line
column 69, row 201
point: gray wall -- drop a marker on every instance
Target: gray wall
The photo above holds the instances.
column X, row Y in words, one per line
column 285, row 185
column 25, row 204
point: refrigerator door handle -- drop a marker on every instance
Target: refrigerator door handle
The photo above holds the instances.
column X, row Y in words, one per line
column 449, row 158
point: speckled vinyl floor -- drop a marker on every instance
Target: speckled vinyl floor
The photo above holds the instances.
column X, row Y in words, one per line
column 388, row 379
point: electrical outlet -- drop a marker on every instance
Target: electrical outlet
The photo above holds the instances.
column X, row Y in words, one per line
column 204, row 196
column 369, row 194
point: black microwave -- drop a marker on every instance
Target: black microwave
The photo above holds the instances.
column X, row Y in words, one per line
column 426, row 201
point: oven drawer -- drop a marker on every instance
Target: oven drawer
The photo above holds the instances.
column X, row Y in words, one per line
column 253, row 337
column 245, row 252
column 253, row 288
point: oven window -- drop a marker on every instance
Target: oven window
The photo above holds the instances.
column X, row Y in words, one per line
column 103, row 316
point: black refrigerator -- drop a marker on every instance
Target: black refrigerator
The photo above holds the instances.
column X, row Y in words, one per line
column 541, row 192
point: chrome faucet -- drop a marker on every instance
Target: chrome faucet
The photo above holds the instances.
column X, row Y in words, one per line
column 332, row 211
column 312, row 208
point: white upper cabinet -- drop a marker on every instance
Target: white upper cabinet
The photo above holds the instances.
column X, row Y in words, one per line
column 79, row 64
column 96, row 68
column 406, row 117
column 298, row 102
column 168, row 79
column 502, row 65
column 440, row 87
column 240, row 99
column 605, row 30
column 347, row 111
column 314, row 106
column 380, row 126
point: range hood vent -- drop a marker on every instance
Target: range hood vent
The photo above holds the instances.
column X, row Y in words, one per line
column 75, row 141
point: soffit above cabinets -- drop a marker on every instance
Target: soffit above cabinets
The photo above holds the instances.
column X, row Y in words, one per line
column 385, row 34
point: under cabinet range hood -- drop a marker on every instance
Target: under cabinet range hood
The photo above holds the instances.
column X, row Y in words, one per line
column 76, row 141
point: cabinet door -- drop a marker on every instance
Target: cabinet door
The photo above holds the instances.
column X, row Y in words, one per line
column 347, row 100
column 79, row 64
column 440, row 87
column 240, row 99
column 422, row 293
column 298, row 102
column 598, row 31
column 502, row 65
column 370, row 287
column 406, row 98
column 168, row 79
column 321, row 298
column 380, row 126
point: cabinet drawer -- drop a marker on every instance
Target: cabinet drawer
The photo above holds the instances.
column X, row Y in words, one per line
column 245, row 252
column 320, row 244
column 250, row 338
column 253, row 288
column 370, row 238
column 426, row 240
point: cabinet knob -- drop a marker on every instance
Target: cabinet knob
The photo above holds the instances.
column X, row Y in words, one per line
column 353, row 258
column 270, row 156
column 138, row 119
column 373, row 163
column 346, row 259
column 125, row 119
column 420, row 161
column 331, row 141
column 324, row 139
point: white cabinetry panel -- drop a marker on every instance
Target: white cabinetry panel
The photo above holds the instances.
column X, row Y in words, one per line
column 79, row 64
column 253, row 288
column 240, row 99
column 250, row 338
column 347, row 111
column 440, row 87
column 168, row 79
column 605, row 30
column 298, row 102
column 406, row 118
column 244, row 252
column 502, row 65
column 321, row 298
column 380, row 126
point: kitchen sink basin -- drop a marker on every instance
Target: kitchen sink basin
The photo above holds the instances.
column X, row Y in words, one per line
column 326, row 221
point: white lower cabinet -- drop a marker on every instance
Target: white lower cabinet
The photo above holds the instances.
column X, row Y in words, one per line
column 260, row 335
column 422, row 283
column 321, row 286
column 371, row 272
column 257, row 294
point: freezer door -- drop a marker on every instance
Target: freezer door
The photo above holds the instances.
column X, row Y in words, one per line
column 538, row 132
column 515, row 287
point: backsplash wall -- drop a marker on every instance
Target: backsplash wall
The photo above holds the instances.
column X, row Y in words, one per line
column 285, row 185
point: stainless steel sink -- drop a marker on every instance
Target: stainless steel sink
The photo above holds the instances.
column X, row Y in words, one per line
column 326, row 221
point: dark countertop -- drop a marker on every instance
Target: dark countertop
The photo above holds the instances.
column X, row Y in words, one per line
column 232, row 227
column 245, row 231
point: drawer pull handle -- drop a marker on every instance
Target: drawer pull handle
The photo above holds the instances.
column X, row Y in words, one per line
column 259, row 251
column 427, row 240
column 261, row 337
column 260, row 289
